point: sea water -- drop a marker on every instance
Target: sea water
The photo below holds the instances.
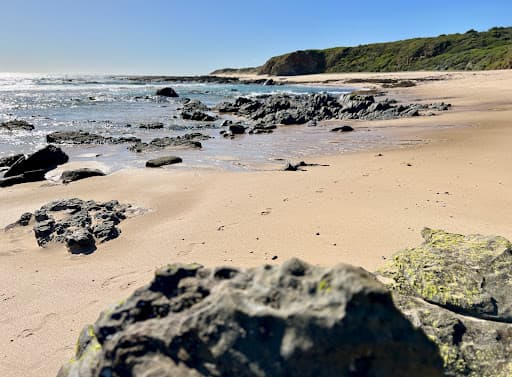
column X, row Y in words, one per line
column 116, row 106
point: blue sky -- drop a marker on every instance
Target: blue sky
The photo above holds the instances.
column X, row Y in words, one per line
column 197, row 36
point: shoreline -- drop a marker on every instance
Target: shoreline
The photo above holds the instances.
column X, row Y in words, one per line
column 359, row 210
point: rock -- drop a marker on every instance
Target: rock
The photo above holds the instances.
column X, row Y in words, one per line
column 269, row 82
column 237, row 129
column 16, row 125
column 45, row 159
column 80, row 241
column 290, row 320
column 82, row 137
column 25, row 177
column 152, row 126
column 10, row 160
column 190, row 105
column 197, row 115
column 190, row 140
column 77, row 174
column 166, row 92
column 77, row 223
column 466, row 274
column 161, row 161
column 342, row 129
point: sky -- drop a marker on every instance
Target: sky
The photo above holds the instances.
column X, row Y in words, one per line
column 198, row 36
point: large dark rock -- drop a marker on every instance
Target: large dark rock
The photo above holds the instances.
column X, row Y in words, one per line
column 190, row 140
column 166, row 92
column 15, row 125
column 289, row 320
column 197, row 115
column 68, row 176
column 77, row 223
column 161, row 161
column 45, row 159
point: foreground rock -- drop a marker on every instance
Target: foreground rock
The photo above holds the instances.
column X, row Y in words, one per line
column 161, row 161
column 16, row 125
column 166, row 92
column 289, row 320
column 83, row 137
column 457, row 289
column 34, row 167
column 190, row 140
column 300, row 109
column 77, row 223
column 68, row 176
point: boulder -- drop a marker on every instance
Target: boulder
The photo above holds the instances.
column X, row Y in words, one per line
column 16, row 125
column 167, row 92
column 77, row 174
column 45, row 159
column 465, row 274
column 80, row 241
column 161, row 161
column 290, row 320
column 237, row 129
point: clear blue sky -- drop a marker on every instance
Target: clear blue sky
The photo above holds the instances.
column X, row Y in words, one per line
column 197, row 36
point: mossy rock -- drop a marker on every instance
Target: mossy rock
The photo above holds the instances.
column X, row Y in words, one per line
column 466, row 274
column 468, row 346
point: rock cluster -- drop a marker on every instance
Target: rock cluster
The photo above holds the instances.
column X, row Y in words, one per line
column 190, row 140
column 34, row 167
column 83, row 137
column 196, row 110
column 299, row 109
column 77, row 223
column 15, row 125
column 290, row 320
column 457, row 289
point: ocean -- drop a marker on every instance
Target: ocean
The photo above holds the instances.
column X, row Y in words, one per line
column 117, row 106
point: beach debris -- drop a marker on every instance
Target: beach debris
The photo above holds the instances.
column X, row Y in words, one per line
column 296, row 167
column 34, row 167
column 16, row 125
column 77, row 223
column 293, row 319
column 68, row 176
column 161, row 161
column 167, row 92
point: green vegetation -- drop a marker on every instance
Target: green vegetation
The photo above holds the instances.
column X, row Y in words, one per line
column 472, row 50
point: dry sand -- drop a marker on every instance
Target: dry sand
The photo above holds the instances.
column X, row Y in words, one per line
column 359, row 210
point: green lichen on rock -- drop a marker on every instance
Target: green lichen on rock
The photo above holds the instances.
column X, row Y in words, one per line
column 467, row 274
column 468, row 346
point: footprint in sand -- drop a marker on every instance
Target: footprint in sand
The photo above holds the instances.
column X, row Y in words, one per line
column 25, row 333
column 267, row 211
column 116, row 279
column 189, row 248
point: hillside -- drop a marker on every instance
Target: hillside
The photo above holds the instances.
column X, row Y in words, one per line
column 472, row 50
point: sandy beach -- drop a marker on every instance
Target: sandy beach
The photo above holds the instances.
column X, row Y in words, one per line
column 360, row 209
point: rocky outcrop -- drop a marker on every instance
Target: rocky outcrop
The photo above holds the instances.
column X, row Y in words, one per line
column 190, row 140
column 77, row 223
column 161, row 161
column 34, row 167
column 16, row 125
column 295, row 63
column 166, row 92
column 152, row 126
column 68, row 176
column 300, row 109
column 83, row 137
column 289, row 320
column 457, row 288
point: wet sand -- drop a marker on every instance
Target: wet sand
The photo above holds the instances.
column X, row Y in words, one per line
column 360, row 209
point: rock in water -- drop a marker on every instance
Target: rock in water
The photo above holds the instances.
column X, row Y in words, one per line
column 14, row 125
column 77, row 174
column 161, row 161
column 166, row 92
column 466, row 274
column 289, row 320
column 47, row 158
